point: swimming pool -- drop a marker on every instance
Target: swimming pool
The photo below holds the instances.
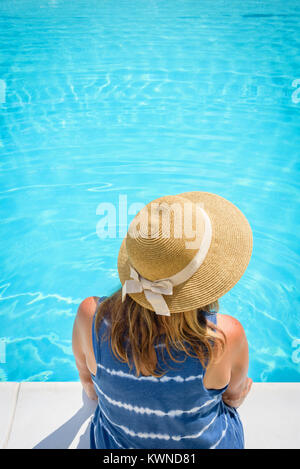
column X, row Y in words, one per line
column 140, row 99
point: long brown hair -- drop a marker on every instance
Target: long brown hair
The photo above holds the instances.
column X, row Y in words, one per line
column 135, row 331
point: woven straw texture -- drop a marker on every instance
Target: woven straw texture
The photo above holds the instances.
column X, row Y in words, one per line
column 159, row 257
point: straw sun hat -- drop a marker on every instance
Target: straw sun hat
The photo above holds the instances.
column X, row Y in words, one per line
column 184, row 251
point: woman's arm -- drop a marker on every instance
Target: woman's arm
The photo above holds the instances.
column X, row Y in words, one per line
column 239, row 384
column 82, row 344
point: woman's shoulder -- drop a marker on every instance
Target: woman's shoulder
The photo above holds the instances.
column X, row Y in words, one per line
column 86, row 313
column 231, row 327
column 87, row 307
column 218, row 373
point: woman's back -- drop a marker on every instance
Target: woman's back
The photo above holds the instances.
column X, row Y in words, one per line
column 174, row 411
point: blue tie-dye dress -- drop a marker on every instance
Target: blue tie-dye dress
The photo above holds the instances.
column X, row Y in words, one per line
column 172, row 412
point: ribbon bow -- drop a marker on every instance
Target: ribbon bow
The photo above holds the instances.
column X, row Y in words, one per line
column 153, row 291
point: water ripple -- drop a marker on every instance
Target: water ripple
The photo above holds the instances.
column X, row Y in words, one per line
column 163, row 99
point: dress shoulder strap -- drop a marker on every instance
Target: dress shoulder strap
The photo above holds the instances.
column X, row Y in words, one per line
column 212, row 317
column 96, row 347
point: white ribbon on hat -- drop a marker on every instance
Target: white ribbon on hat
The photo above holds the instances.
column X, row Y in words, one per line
column 154, row 290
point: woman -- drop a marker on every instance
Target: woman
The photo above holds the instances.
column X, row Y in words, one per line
column 167, row 369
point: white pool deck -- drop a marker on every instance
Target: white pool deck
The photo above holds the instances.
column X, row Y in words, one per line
column 57, row 415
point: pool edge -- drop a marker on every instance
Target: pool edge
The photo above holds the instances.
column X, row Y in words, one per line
column 269, row 415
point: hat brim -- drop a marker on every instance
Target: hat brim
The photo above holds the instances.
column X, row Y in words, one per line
column 225, row 263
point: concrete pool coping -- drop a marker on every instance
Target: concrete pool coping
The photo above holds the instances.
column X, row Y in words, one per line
column 56, row 415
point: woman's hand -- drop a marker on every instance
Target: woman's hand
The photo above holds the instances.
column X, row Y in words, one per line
column 237, row 402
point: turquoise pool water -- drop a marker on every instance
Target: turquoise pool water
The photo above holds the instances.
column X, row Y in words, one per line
column 143, row 98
